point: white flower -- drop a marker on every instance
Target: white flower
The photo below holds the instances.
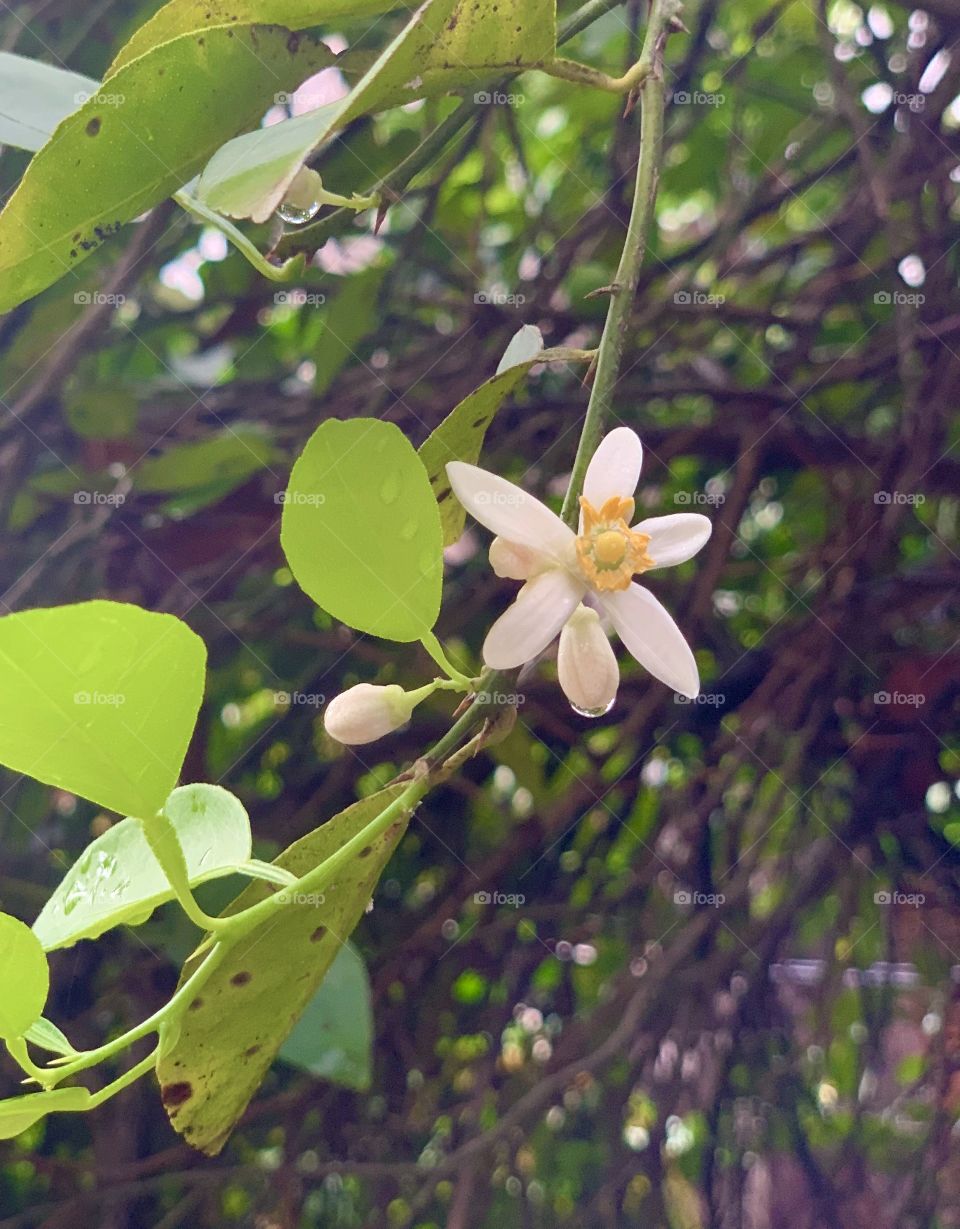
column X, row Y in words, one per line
column 563, row 570
column 366, row 712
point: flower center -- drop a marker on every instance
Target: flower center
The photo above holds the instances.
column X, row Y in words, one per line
column 609, row 552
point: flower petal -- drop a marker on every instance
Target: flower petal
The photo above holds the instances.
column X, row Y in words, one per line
column 525, row 629
column 651, row 635
column 614, row 468
column 586, row 664
column 513, row 562
column 508, row 510
column 676, row 538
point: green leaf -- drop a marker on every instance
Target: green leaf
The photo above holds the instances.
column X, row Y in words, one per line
column 361, row 529
column 100, row 699
column 223, row 460
column 130, row 146
column 45, row 1034
column 117, row 880
column 18, row 1114
column 24, row 977
column 460, row 436
column 35, row 97
column 232, row 1032
column 333, row 1038
column 194, row 16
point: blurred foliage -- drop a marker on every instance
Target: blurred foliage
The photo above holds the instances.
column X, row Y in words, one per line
column 695, row 964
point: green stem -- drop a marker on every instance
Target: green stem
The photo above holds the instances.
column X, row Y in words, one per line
column 583, row 74
column 181, row 999
column 435, row 649
column 276, row 273
column 623, row 288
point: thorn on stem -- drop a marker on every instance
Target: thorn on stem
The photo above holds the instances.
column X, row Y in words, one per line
column 611, row 288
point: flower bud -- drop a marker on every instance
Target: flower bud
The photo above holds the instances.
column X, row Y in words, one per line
column 367, row 712
column 586, row 664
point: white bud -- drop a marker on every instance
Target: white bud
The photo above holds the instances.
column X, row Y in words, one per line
column 367, row 712
column 586, row 664
column 512, row 561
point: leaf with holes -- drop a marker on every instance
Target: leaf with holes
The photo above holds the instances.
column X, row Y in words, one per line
column 127, row 147
column 231, row 1033
column 361, row 529
column 117, row 880
column 333, row 1039
column 100, row 699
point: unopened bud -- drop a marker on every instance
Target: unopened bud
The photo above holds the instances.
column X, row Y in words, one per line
column 586, row 664
column 367, row 712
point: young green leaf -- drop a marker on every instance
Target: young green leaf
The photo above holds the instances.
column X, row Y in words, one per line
column 45, row 1034
column 35, row 97
column 117, row 880
column 231, row 1033
column 24, row 977
column 333, row 1038
column 361, row 529
column 130, row 146
column 18, row 1114
column 100, row 699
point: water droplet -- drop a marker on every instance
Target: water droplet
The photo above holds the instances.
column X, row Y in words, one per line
column 409, row 531
column 390, row 489
column 593, row 712
column 296, row 215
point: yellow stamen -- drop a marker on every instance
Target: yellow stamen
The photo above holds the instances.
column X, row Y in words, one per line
column 609, row 552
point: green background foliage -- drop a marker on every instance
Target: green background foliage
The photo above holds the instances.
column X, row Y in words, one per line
column 689, row 965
